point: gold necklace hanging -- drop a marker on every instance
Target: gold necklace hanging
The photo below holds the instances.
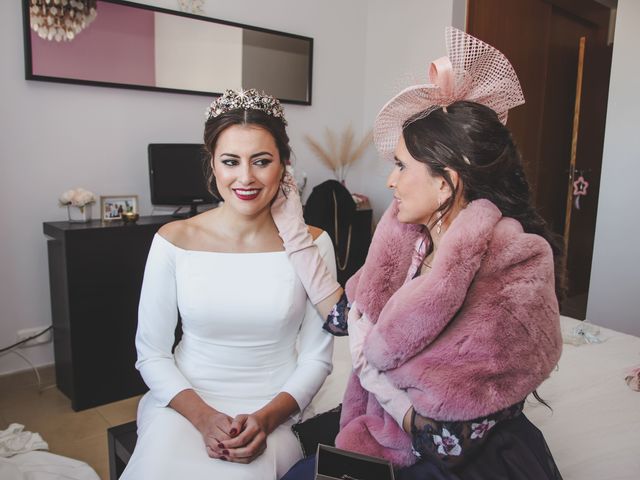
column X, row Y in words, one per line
column 341, row 265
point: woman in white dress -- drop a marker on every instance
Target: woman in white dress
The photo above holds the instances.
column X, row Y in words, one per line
column 252, row 355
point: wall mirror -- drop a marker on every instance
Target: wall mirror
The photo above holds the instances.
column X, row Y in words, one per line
column 129, row 45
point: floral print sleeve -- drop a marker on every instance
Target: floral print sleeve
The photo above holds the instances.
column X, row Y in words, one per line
column 452, row 442
column 336, row 322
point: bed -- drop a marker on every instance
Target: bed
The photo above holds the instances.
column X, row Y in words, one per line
column 594, row 428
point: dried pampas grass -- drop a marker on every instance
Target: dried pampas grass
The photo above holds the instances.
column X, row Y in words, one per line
column 339, row 154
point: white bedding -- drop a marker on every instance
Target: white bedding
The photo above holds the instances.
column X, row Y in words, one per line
column 44, row 466
column 594, row 429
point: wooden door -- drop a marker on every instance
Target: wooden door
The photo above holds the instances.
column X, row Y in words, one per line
column 542, row 40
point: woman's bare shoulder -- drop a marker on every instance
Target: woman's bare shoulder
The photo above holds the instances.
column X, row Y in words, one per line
column 315, row 231
column 175, row 232
column 186, row 233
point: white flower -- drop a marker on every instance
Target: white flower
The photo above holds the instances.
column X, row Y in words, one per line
column 479, row 429
column 83, row 197
column 447, row 444
column 65, row 198
column 78, row 197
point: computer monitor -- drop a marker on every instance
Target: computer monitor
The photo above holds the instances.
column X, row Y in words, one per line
column 177, row 175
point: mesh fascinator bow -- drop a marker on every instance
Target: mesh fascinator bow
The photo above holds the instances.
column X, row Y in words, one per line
column 472, row 71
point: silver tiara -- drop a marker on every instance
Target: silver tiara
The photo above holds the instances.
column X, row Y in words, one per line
column 247, row 100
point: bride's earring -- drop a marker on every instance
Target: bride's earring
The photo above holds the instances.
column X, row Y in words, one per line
column 439, row 222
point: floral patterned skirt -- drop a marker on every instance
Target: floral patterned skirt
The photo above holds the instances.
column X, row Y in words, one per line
column 454, row 442
column 509, row 449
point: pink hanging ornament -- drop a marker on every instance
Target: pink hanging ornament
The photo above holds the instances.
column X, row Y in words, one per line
column 579, row 190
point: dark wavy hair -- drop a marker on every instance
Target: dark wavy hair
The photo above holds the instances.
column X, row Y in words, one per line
column 469, row 139
column 214, row 127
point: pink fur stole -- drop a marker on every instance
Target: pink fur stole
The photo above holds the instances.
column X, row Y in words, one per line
column 477, row 334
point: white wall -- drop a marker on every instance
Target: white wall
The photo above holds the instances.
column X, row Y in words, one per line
column 55, row 136
column 402, row 39
column 614, row 292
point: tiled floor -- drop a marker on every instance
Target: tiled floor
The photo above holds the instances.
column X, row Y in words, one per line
column 80, row 435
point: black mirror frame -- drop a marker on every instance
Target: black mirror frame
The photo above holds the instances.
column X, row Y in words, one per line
column 28, row 61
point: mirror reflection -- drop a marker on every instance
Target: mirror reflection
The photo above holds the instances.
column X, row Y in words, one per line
column 137, row 46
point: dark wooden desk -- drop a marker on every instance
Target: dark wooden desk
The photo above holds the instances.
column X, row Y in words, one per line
column 95, row 276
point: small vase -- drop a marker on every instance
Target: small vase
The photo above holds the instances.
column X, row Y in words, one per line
column 79, row 214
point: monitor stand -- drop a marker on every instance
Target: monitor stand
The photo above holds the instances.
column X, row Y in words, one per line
column 193, row 211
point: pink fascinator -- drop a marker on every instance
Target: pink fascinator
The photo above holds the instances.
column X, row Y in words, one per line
column 472, row 71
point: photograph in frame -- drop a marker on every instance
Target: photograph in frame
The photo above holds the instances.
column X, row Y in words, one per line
column 113, row 206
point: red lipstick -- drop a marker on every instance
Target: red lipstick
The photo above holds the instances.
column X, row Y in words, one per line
column 246, row 193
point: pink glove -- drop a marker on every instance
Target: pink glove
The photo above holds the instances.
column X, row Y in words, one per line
column 394, row 400
column 286, row 211
column 359, row 327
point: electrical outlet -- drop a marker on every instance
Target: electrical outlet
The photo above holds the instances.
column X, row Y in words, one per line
column 30, row 332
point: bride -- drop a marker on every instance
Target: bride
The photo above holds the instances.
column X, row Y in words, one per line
column 252, row 355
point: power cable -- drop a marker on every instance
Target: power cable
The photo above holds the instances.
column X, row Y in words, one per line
column 11, row 347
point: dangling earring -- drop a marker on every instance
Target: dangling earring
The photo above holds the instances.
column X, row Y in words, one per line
column 439, row 222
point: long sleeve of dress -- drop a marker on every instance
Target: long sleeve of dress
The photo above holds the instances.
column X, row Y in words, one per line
column 157, row 319
column 315, row 345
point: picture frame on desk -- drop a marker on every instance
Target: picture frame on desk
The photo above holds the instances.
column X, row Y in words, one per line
column 113, row 206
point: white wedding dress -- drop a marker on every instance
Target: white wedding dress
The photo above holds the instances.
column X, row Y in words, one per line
column 249, row 332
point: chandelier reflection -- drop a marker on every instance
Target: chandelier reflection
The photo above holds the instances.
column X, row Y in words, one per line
column 61, row 20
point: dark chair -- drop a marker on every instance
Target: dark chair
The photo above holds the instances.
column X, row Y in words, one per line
column 331, row 207
column 121, row 440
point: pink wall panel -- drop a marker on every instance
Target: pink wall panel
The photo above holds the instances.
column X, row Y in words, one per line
column 117, row 47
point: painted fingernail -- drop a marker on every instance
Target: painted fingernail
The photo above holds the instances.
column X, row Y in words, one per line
column 223, row 458
column 226, row 452
column 233, row 431
column 220, row 445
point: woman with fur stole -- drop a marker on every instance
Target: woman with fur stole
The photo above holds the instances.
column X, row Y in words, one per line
column 454, row 317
